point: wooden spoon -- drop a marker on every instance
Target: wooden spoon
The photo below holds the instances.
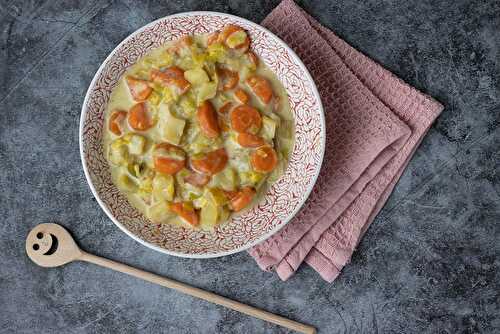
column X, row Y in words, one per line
column 50, row 245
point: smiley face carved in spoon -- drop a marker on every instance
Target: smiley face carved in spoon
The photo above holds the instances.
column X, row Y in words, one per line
column 50, row 245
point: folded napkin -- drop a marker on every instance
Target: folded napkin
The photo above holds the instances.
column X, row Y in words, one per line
column 374, row 123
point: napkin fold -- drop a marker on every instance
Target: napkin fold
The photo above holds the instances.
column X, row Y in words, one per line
column 374, row 123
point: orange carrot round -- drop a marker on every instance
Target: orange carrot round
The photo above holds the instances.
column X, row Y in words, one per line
column 228, row 31
column 186, row 212
column 264, row 159
column 240, row 199
column 243, row 47
column 138, row 117
column 171, row 76
column 229, row 78
column 116, row 120
column 212, row 163
column 164, row 163
column 245, row 119
column 241, row 95
column 252, row 58
column 250, row 140
column 212, row 38
column 139, row 89
column 261, row 88
column 207, row 119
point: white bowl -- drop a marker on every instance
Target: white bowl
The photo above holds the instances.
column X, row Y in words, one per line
column 283, row 199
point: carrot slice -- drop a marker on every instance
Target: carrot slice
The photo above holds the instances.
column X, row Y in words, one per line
column 213, row 38
column 186, row 212
column 245, row 119
column 116, row 121
column 184, row 42
column 180, row 44
column 168, row 159
column 252, row 58
column 240, row 199
column 264, row 159
column 261, row 88
column 229, row 78
column 138, row 117
column 212, row 163
column 250, row 140
column 197, row 179
column 241, row 95
column 207, row 118
column 168, row 76
column 171, row 76
column 225, row 107
column 242, row 48
column 228, row 31
column 168, row 166
column 139, row 89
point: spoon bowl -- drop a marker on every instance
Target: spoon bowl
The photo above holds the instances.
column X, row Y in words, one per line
column 51, row 245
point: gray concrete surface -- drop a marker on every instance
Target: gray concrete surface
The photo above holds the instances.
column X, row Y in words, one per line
column 430, row 263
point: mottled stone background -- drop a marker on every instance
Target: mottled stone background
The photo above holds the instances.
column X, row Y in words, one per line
column 430, row 263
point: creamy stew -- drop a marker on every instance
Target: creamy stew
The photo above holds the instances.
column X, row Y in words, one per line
column 197, row 129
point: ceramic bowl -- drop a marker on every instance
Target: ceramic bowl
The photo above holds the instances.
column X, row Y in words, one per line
column 282, row 200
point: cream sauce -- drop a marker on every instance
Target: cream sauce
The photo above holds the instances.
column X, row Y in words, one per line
column 121, row 99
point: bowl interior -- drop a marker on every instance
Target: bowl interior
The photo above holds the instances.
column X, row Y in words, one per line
column 284, row 197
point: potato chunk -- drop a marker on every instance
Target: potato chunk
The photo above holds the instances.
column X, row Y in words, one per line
column 118, row 152
column 196, row 76
column 126, row 183
column 236, row 39
column 171, row 128
column 135, row 143
column 160, row 212
column 268, row 130
column 163, row 187
column 207, row 91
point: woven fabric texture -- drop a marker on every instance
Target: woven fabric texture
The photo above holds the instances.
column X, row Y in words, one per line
column 374, row 123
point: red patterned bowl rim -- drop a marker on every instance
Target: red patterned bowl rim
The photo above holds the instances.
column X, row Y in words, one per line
column 317, row 106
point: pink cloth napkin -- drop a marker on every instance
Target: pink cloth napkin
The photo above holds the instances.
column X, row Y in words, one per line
column 374, row 123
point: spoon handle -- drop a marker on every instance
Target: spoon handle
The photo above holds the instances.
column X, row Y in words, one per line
column 198, row 293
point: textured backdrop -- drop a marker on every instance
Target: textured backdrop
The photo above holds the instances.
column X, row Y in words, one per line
column 430, row 263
